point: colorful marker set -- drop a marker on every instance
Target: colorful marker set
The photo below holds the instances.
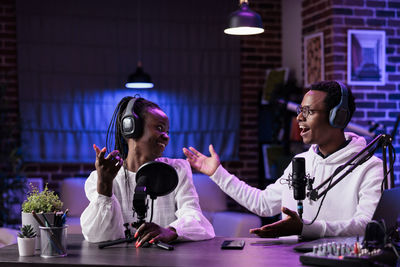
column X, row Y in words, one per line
column 59, row 218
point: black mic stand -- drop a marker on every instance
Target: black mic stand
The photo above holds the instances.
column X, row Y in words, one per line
column 383, row 141
column 308, row 182
column 140, row 208
column 128, row 238
column 163, row 181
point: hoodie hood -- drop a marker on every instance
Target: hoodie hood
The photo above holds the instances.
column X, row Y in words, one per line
column 356, row 144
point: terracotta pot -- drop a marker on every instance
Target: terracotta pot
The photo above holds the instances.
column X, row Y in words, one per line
column 26, row 246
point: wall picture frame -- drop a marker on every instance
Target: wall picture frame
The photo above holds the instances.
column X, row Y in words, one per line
column 274, row 78
column 366, row 57
column 275, row 160
column 314, row 70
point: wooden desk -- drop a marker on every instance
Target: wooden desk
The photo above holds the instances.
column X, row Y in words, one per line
column 257, row 252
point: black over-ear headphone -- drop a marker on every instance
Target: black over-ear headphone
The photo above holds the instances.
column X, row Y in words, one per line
column 340, row 114
column 131, row 122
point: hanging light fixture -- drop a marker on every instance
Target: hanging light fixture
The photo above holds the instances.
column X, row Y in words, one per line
column 139, row 79
column 244, row 21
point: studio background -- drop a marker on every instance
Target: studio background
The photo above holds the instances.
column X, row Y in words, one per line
column 50, row 91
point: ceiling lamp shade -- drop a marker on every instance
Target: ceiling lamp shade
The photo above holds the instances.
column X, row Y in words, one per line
column 139, row 79
column 244, row 21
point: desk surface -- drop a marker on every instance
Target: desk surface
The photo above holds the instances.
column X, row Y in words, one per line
column 257, row 252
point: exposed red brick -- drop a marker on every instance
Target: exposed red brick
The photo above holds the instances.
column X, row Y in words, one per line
column 49, row 167
column 59, row 177
column 363, row 12
column 31, row 168
column 354, row 21
column 388, row 86
column 390, row 32
column 88, row 167
column 353, row 3
column 235, row 164
column 337, row 20
column 376, row 3
column 71, row 167
column 394, row 23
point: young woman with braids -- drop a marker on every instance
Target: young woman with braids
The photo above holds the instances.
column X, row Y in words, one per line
column 110, row 188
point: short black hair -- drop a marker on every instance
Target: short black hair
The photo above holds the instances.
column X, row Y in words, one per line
column 333, row 95
column 141, row 108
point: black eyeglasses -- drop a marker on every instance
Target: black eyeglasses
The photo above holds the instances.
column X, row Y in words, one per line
column 306, row 110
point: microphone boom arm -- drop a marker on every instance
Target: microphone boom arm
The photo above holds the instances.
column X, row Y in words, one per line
column 385, row 141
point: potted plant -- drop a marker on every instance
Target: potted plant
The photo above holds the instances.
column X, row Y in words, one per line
column 26, row 240
column 44, row 204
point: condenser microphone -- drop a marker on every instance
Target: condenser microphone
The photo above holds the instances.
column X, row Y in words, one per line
column 299, row 182
column 154, row 179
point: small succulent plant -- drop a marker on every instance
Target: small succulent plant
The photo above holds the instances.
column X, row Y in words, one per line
column 27, row 231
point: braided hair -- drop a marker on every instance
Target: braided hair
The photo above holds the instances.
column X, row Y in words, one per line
column 115, row 127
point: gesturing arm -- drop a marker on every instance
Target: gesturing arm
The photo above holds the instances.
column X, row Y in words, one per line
column 190, row 223
column 102, row 219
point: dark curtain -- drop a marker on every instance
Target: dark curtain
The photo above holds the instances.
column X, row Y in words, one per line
column 74, row 58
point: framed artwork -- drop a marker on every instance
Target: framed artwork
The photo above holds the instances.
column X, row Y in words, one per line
column 366, row 57
column 313, row 58
column 275, row 160
column 274, row 78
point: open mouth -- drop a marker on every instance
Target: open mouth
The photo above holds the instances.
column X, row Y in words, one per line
column 162, row 145
column 303, row 130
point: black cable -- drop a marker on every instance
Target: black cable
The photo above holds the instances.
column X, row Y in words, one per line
column 320, row 205
column 151, row 212
column 391, row 167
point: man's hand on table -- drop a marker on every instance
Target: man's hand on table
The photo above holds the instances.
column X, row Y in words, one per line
column 291, row 225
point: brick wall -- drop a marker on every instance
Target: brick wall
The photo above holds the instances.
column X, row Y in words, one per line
column 9, row 125
column 334, row 18
column 258, row 53
column 53, row 173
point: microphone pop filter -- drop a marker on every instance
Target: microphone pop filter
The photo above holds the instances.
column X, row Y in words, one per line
column 159, row 178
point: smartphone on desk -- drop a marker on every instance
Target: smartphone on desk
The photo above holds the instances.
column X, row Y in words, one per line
column 232, row 244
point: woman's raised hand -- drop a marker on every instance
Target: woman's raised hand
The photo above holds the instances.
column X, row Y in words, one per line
column 107, row 168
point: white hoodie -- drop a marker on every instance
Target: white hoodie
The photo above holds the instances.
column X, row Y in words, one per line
column 348, row 206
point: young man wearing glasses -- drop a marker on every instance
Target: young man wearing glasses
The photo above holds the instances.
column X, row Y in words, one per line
column 325, row 111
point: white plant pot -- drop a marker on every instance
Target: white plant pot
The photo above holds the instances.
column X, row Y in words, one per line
column 26, row 246
column 27, row 218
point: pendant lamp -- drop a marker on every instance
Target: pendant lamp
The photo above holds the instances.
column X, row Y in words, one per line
column 244, row 21
column 139, row 79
